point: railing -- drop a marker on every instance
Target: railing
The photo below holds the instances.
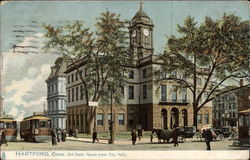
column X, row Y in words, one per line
column 174, row 101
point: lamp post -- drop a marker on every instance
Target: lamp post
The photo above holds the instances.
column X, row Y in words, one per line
column 111, row 123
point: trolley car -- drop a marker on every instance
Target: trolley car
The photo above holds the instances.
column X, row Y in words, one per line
column 9, row 126
column 244, row 127
column 35, row 128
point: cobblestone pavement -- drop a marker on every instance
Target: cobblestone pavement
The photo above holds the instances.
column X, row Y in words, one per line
column 144, row 144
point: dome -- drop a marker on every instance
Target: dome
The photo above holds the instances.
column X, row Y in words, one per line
column 140, row 14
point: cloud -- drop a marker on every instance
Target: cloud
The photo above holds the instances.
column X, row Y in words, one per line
column 24, row 75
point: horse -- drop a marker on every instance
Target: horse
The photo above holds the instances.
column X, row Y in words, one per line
column 161, row 134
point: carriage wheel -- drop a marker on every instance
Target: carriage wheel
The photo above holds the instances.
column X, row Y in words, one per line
column 221, row 137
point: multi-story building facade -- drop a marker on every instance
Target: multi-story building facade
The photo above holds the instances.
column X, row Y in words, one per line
column 144, row 102
column 56, row 93
column 225, row 110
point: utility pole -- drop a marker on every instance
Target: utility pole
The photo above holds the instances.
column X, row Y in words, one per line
column 111, row 124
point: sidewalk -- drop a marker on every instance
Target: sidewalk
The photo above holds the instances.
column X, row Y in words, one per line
column 117, row 141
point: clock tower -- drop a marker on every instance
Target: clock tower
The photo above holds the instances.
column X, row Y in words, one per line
column 141, row 35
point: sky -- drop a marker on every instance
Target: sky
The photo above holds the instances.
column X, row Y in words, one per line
column 24, row 75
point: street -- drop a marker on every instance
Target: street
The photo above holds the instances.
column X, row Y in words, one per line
column 144, row 144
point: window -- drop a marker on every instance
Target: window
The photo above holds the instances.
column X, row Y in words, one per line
column 163, row 74
column 122, row 91
column 131, row 119
column 69, row 120
column 72, row 78
column 184, row 94
column 163, row 93
column 144, row 73
column 131, row 74
column 174, row 93
column 206, row 118
column 99, row 119
column 121, row 119
column 76, row 76
column 77, row 120
column 76, row 93
column 198, row 93
column 234, row 115
column 199, row 118
column 73, row 94
column 43, row 124
column 80, row 73
column 109, row 118
column 199, row 82
column 68, row 79
column 68, row 95
column 144, row 91
column 81, row 92
column 81, row 119
column 173, row 74
column 131, row 92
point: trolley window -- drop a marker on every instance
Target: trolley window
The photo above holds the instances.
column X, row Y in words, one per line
column 49, row 124
column 1, row 125
column 36, row 124
column 14, row 125
column 43, row 124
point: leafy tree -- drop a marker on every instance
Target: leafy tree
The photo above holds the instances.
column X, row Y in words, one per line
column 217, row 49
column 103, row 53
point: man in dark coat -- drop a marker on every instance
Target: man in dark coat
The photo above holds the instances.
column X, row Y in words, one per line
column 133, row 135
column 139, row 133
column 53, row 136
column 63, row 135
column 3, row 138
column 94, row 136
column 175, row 134
column 208, row 138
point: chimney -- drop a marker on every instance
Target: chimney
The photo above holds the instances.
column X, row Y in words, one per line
column 241, row 82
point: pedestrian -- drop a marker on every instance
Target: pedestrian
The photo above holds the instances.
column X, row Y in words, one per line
column 151, row 138
column 3, row 138
column 62, row 135
column 175, row 134
column 76, row 133
column 70, row 133
column 94, row 136
column 208, row 138
column 53, row 137
column 133, row 135
column 140, row 133
column 58, row 134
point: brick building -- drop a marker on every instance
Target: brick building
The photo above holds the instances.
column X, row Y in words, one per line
column 144, row 102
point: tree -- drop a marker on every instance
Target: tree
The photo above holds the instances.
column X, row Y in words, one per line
column 103, row 53
column 216, row 49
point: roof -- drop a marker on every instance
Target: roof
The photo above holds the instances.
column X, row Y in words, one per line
column 8, row 119
column 39, row 117
column 140, row 14
column 59, row 68
column 247, row 111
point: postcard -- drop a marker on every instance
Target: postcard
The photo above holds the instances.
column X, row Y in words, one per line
column 124, row 80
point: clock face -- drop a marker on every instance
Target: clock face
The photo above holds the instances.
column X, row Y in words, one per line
column 145, row 32
column 134, row 33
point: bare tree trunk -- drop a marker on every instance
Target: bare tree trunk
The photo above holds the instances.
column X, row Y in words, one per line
column 195, row 115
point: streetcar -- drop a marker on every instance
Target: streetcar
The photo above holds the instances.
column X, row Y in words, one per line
column 244, row 127
column 9, row 127
column 35, row 128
